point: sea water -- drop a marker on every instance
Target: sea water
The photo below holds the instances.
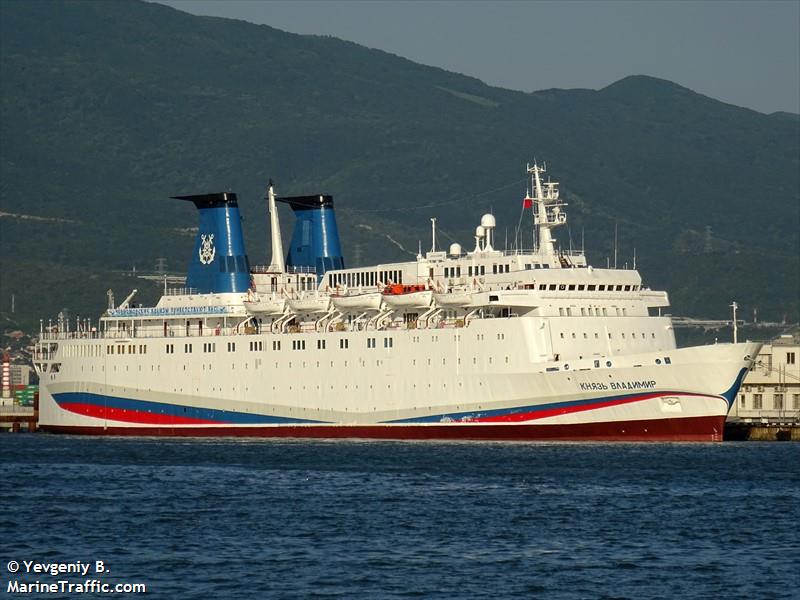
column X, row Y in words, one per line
column 366, row 519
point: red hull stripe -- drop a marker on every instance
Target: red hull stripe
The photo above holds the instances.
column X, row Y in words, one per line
column 564, row 410
column 126, row 415
column 687, row 429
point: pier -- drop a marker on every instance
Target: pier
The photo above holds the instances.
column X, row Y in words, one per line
column 18, row 418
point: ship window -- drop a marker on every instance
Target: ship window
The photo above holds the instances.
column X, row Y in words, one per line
column 790, row 357
column 572, row 287
column 469, row 270
column 583, row 312
column 370, row 342
column 343, row 343
column 596, row 335
column 601, row 288
column 667, row 360
column 527, row 267
column 581, row 287
column 388, row 342
column 276, row 345
column 562, row 336
column 597, row 363
column 508, row 267
column 494, row 269
column 552, row 287
column 560, row 312
column 542, row 286
column 619, row 288
column 573, row 336
column 320, row 344
column 757, row 401
column 590, row 288
column 483, row 269
column 627, row 288
column 562, row 287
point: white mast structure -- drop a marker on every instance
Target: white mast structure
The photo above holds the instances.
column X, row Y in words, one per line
column 548, row 211
column 276, row 265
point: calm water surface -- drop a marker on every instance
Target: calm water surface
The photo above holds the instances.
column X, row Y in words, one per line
column 349, row 519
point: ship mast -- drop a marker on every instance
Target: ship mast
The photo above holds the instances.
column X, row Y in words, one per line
column 276, row 265
column 548, row 211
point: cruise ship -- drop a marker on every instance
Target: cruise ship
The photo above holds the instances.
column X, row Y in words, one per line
column 479, row 344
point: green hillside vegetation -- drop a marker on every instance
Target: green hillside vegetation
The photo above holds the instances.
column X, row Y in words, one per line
column 109, row 108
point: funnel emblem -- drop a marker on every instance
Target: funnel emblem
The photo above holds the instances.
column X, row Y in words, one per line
column 207, row 250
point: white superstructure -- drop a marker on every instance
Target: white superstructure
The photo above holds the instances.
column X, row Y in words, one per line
column 484, row 344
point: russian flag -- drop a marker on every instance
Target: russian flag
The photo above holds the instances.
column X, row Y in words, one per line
column 527, row 203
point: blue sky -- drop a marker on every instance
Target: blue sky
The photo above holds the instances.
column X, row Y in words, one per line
column 744, row 53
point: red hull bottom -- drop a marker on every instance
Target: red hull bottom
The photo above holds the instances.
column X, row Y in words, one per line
column 689, row 429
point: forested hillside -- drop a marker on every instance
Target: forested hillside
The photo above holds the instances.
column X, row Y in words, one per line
column 109, row 108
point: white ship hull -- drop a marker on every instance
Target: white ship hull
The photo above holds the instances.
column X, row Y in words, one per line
column 264, row 394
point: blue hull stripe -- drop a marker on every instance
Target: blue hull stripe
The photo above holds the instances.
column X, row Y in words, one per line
column 64, row 399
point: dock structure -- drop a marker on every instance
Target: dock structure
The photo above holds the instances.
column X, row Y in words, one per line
column 768, row 404
column 18, row 418
column 19, row 404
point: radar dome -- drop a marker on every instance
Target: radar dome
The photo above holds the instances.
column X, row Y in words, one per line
column 488, row 221
column 480, row 231
column 455, row 249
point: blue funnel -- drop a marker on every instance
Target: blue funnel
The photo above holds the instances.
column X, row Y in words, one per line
column 219, row 263
column 315, row 241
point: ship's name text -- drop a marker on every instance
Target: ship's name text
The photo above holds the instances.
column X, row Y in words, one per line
column 617, row 385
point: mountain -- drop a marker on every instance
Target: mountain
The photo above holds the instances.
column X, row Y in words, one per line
column 109, row 108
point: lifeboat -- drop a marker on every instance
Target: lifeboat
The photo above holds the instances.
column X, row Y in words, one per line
column 265, row 305
column 407, row 296
column 357, row 301
column 456, row 298
column 310, row 303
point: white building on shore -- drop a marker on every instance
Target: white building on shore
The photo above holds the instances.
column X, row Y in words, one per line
column 771, row 390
